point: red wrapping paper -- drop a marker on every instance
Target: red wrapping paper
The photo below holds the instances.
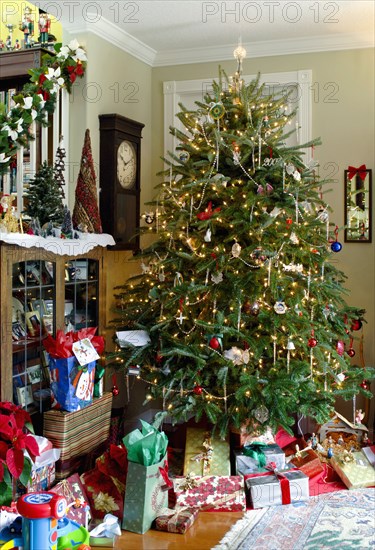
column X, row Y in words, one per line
column 72, row 489
column 211, row 493
column 176, row 521
column 61, row 346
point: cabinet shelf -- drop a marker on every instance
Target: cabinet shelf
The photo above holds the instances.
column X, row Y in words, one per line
column 59, row 304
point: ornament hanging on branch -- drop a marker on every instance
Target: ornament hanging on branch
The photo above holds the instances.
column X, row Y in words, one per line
column 351, row 351
column 261, row 413
column 312, row 341
column 236, row 250
column 280, row 307
column 356, row 325
column 336, row 246
column 217, row 110
column 215, row 342
column 340, row 347
column 149, row 217
column 198, row 389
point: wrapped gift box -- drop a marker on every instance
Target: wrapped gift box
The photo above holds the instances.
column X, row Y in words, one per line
column 176, row 521
column 357, row 473
column 210, row 493
column 72, row 384
column 369, row 453
column 249, row 464
column 308, row 462
column 206, row 455
column 271, row 489
column 78, row 433
column 72, row 489
column 42, row 473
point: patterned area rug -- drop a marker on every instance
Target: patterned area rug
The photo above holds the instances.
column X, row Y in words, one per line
column 343, row 519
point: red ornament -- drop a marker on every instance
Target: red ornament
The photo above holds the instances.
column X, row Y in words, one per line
column 340, row 347
column 214, row 343
column 158, row 358
column 364, row 385
column 289, row 221
column 351, row 352
column 312, row 342
column 115, row 390
column 198, row 390
column 356, row 325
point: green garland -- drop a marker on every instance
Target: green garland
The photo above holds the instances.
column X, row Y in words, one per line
column 38, row 97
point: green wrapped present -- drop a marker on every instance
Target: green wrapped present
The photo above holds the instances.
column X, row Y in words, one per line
column 205, row 454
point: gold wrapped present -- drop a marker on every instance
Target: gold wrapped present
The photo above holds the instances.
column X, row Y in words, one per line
column 205, row 454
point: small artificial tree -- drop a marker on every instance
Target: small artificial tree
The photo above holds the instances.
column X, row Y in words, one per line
column 59, row 167
column 244, row 310
column 44, row 197
column 86, row 216
column 67, row 225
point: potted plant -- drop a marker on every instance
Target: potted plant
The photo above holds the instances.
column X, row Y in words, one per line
column 16, row 437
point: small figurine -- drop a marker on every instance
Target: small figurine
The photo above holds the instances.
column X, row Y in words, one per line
column 17, row 45
column 365, row 442
column 314, row 441
column 330, row 452
column 340, row 440
column 44, row 25
column 2, row 45
column 27, row 26
column 359, row 416
column 8, row 43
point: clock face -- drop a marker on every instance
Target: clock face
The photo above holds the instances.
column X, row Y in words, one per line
column 126, row 164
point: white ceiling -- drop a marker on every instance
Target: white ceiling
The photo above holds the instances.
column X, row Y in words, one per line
column 166, row 32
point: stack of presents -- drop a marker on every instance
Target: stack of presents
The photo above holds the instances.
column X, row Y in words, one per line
column 151, row 478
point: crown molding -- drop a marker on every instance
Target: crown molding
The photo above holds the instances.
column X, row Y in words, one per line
column 118, row 37
column 266, row 48
column 114, row 35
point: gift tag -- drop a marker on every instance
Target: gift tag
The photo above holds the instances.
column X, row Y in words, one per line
column 85, row 351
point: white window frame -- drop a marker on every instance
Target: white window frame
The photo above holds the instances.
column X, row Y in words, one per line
column 179, row 91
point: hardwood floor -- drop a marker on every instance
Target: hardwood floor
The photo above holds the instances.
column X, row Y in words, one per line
column 207, row 531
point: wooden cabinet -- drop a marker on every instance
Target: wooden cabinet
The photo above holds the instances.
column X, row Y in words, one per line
column 42, row 291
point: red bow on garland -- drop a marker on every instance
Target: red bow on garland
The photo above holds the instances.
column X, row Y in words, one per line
column 208, row 213
column 361, row 171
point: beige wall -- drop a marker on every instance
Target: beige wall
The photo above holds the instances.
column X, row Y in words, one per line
column 343, row 120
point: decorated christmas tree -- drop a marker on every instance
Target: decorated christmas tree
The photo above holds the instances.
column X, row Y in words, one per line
column 86, row 215
column 44, row 197
column 244, row 312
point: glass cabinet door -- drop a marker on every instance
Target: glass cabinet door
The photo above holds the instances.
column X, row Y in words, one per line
column 33, row 317
column 81, row 294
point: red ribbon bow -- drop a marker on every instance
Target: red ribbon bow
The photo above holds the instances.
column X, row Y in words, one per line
column 208, row 213
column 164, row 474
column 284, row 483
column 361, row 171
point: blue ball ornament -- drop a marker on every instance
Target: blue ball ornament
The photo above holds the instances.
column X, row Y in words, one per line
column 336, row 246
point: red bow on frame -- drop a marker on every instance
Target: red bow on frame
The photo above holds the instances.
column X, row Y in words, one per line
column 361, row 171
